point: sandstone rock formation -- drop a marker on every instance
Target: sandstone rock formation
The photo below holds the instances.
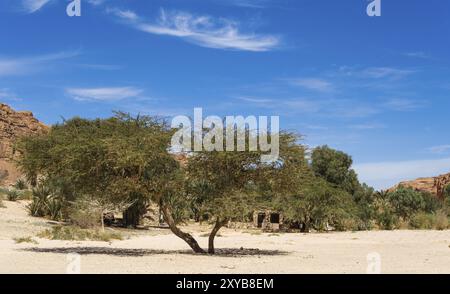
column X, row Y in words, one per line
column 433, row 185
column 13, row 125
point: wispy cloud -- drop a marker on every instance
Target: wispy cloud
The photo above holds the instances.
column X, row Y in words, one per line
column 7, row 95
column 367, row 126
column 247, row 3
column 313, row 84
column 25, row 65
column 386, row 72
column 383, row 175
column 107, row 67
column 204, row 31
column 441, row 149
column 418, row 54
column 103, row 94
column 31, row 6
column 403, row 104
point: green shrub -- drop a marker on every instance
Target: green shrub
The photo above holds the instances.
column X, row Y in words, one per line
column 38, row 205
column 54, row 208
column 428, row 221
column 74, row 233
column 384, row 215
column 441, row 220
column 422, row 221
column 447, row 195
column 387, row 220
column 12, row 195
column 406, row 202
column 45, row 203
column 26, row 195
column 432, row 203
column 83, row 215
column 21, row 184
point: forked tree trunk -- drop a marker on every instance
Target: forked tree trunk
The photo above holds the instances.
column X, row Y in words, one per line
column 217, row 226
column 173, row 227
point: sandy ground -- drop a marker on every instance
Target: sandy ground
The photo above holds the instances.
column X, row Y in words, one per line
column 158, row 251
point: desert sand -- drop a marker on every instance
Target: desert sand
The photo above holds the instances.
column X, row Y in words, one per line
column 158, row 251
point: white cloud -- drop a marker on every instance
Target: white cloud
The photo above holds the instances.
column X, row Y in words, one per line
column 204, row 31
column 31, row 6
column 103, row 94
column 384, row 175
column 314, row 84
column 24, row 65
column 386, row 72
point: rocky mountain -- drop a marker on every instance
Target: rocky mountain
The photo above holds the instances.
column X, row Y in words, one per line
column 434, row 185
column 13, row 125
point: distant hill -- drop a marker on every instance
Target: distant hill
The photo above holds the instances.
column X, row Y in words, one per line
column 434, row 185
column 13, row 125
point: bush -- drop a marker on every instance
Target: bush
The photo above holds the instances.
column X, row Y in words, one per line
column 12, row 195
column 38, row 205
column 406, row 202
column 428, row 221
column 74, row 233
column 84, row 216
column 21, row 184
column 422, row 220
column 387, row 220
column 441, row 220
column 432, row 203
column 447, row 195
column 45, row 203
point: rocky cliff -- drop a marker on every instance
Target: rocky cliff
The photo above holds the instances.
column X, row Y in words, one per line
column 13, row 125
column 434, row 185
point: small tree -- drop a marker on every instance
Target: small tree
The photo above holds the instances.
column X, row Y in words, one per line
column 335, row 167
column 406, row 202
column 447, row 193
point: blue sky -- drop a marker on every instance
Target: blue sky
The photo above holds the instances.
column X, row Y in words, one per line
column 377, row 88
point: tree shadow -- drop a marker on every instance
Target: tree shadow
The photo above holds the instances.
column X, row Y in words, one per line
column 125, row 252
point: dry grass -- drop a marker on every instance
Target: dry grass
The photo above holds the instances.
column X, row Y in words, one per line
column 72, row 233
column 25, row 240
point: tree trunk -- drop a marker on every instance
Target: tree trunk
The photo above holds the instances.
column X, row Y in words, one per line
column 103, row 221
column 173, row 227
column 219, row 224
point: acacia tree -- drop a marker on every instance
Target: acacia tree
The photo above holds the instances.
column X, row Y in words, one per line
column 222, row 184
column 229, row 186
column 109, row 160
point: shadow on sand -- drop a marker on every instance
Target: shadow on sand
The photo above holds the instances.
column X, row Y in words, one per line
column 124, row 252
